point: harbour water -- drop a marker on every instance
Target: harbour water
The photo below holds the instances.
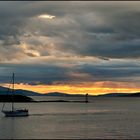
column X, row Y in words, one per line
column 109, row 118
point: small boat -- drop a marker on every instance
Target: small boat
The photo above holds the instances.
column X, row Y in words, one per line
column 14, row 112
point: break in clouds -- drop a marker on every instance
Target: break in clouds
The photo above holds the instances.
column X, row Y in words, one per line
column 70, row 42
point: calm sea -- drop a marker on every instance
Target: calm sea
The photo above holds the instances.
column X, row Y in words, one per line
column 108, row 118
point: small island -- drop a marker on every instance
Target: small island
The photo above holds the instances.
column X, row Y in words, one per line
column 15, row 98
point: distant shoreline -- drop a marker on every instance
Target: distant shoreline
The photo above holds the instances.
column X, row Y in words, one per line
column 7, row 91
column 26, row 99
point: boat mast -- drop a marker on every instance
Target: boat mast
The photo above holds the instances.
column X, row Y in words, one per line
column 13, row 92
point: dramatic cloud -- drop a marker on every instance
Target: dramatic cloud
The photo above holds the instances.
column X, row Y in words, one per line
column 69, row 42
column 72, row 73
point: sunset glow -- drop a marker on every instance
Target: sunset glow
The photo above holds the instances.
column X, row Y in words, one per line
column 93, row 89
column 71, row 47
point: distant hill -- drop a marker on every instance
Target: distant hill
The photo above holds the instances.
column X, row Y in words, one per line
column 26, row 93
column 17, row 98
column 56, row 94
column 120, row 95
column 4, row 91
column 103, row 95
column 62, row 94
column 111, row 95
column 7, row 91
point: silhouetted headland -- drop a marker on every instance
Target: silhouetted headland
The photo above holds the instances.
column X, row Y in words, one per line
column 16, row 98
column 71, row 101
column 23, row 96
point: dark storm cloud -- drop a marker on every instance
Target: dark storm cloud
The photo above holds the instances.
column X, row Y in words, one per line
column 51, row 74
column 33, row 74
column 91, row 28
column 130, row 49
column 111, row 72
column 104, row 30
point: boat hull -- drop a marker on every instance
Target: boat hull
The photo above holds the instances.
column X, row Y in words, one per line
column 16, row 113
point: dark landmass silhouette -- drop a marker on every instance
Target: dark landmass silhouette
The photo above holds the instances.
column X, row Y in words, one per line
column 16, row 98
column 102, row 95
column 62, row 94
column 120, row 95
column 7, row 91
column 22, row 95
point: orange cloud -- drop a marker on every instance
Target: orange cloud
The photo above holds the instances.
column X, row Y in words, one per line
column 82, row 88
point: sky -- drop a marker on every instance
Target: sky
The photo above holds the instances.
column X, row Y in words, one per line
column 73, row 47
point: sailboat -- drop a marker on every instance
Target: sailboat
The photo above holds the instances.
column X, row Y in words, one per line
column 14, row 112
